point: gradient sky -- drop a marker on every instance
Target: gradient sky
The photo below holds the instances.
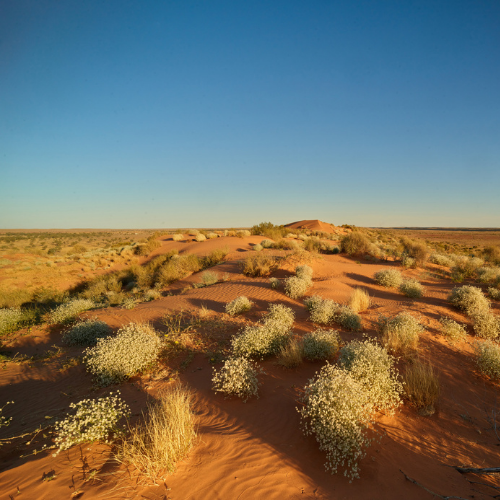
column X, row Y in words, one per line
column 148, row 114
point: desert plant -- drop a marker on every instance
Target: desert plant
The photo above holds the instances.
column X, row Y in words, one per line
column 296, row 287
column 209, row 278
column 243, row 233
column 373, row 367
column 5, row 421
column 488, row 358
column 177, row 237
column 469, row 299
column 359, row 300
column 238, row 306
column 150, row 295
column 421, row 385
column 164, row 437
column 113, row 359
column 258, row 247
column 486, row 325
column 200, row 237
column 290, row 355
column 407, row 261
column 94, row 420
column 215, row 257
column 266, row 243
column 322, row 311
column 347, row 318
column 488, row 274
column 321, row 344
column 494, row 293
column 355, row 243
column 453, row 331
column 65, row 313
column 412, row 288
column 390, row 278
column 441, row 260
column 86, row 332
column 238, row 377
column 337, row 411
column 11, row 319
column 129, row 303
column 212, row 236
column 260, row 264
column 304, row 272
column 492, row 254
column 401, row 332
column 275, row 282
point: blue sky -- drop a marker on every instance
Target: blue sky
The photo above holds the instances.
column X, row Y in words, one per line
column 131, row 114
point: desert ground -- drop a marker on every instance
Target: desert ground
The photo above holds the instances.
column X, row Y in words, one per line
column 257, row 448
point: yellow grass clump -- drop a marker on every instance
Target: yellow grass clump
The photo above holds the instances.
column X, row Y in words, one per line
column 422, row 386
column 359, row 300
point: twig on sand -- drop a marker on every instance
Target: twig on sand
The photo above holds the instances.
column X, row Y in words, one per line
column 474, row 470
column 444, row 497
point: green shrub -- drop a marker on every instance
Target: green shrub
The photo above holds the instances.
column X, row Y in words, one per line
column 453, row 331
column 337, row 411
column 486, row 325
column 150, row 295
column 400, row 333
column 266, row 337
column 215, row 257
column 390, row 278
column 86, row 332
column 238, row 306
column 321, row 344
column 67, row 312
column 412, row 288
column 275, row 282
column 355, row 243
column 237, row 377
column 488, row 358
column 259, row 265
column 469, row 299
column 373, row 368
column 114, row 359
column 209, row 278
column 304, row 272
column 347, row 318
column 94, row 420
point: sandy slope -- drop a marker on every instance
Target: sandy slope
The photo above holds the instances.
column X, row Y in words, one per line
column 256, row 449
column 314, row 225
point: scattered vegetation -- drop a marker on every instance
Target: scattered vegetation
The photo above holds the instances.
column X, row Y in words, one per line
column 290, row 355
column 322, row 311
column 359, row 300
column 486, row 325
column 453, row 331
column 347, row 318
column 390, row 278
column 412, row 288
column 67, row 312
column 488, row 358
column 86, row 332
column 237, row 377
column 261, row 264
column 238, row 306
column 421, row 385
column 400, row 333
column 355, row 243
column 469, row 299
column 321, row 344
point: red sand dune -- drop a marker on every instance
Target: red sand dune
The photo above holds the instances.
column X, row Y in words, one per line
column 256, row 449
column 313, row 225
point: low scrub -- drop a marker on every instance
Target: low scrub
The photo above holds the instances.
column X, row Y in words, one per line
column 275, row 283
column 347, row 318
column 290, row 355
column 165, row 436
column 321, row 344
column 266, row 337
column 66, row 313
column 237, row 377
column 209, row 278
column 488, row 358
column 238, row 306
column 373, row 368
column 359, row 300
column 469, row 299
column 14, row 318
column 441, row 260
column 177, row 237
column 488, row 274
column 296, row 287
column 355, row 243
column 416, row 250
column 322, row 311
column 86, row 332
column 390, row 278
column 453, row 331
column 200, row 237
column 412, row 288
column 421, row 385
column 267, row 243
column 494, row 293
column 486, row 325
column 260, row 264
column 94, row 420
column 113, row 359
column 400, row 333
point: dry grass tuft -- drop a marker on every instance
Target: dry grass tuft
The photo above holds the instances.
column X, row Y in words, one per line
column 422, row 386
column 165, row 437
column 359, row 300
column 290, row 356
column 259, row 265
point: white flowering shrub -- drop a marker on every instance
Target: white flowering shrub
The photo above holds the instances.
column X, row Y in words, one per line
column 10, row 319
column 304, row 272
column 488, row 358
column 453, row 331
column 275, row 283
column 390, row 278
column 113, row 359
column 129, row 303
column 94, row 420
column 488, row 274
column 494, row 293
column 258, row 247
column 237, row 377
column 407, row 261
column 209, row 278
column 322, row 311
column 177, row 237
column 212, row 236
column 267, row 243
column 238, row 305
column 265, row 338
column 150, row 295
column 401, row 332
column 469, row 299
column 441, row 260
column 412, row 288
column 349, row 319
column 200, row 237
column 373, row 367
column 486, row 325
column 296, row 287
column 65, row 313
column 337, row 412
column 320, row 344
column 86, row 332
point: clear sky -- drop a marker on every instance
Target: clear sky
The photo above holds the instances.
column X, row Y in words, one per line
column 142, row 114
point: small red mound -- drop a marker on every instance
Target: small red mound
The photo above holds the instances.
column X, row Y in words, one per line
column 313, row 225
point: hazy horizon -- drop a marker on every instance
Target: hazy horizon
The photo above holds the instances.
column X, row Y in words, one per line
column 123, row 114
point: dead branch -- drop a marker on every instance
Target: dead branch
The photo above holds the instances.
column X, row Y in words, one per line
column 443, row 497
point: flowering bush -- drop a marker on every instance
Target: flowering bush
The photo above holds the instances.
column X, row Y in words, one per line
column 10, row 319
column 349, row 319
column 486, row 325
column 488, row 358
column 86, row 332
column 238, row 305
column 412, row 288
column 469, row 299
column 113, row 359
column 390, row 278
column 401, row 332
column 238, row 377
column 275, row 282
column 453, row 331
column 94, row 420
column 322, row 311
column 320, row 344
column 67, row 312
